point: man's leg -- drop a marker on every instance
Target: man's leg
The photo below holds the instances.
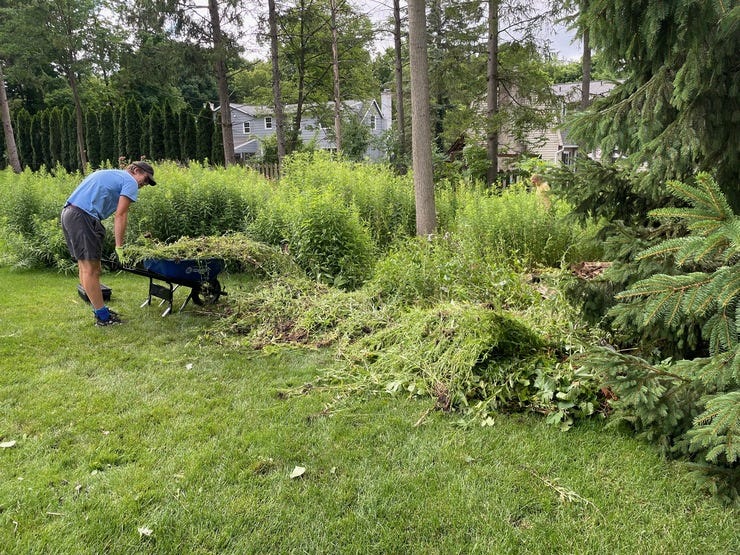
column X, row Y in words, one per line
column 90, row 279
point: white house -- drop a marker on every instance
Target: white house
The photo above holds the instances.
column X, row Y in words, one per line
column 252, row 124
column 553, row 145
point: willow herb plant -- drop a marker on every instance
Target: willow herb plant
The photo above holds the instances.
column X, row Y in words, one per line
column 690, row 407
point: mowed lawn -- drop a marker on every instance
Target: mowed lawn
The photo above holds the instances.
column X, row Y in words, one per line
column 147, row 438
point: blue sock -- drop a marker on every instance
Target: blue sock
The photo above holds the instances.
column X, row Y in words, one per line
column 102, row 313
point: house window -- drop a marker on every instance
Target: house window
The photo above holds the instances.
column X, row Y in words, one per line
column 247, row 129
column 373, row 122
column 268, row 123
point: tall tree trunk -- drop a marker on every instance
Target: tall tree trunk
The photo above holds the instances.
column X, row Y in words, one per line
column 492, row 93
column 276, row 93
column 586, row 87
column 222, row 81
column 80, row 118
column 421, row 136
column 335, row 66
column 400, row 118
column 10, row 145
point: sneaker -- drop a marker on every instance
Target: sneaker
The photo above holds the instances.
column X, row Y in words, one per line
column 112, row 319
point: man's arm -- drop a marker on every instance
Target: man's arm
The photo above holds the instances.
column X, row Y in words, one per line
column 121, row 219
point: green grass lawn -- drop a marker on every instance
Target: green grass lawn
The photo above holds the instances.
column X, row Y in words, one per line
column 143, row 438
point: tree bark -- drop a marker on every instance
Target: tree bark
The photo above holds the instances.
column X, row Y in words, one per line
column 400, row 118
column 223, row 82
column 335, row 67
column 421, row 136
column 276, row 93
column 10, row 145
column 492, row 93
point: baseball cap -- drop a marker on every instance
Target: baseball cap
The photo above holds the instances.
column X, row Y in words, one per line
column 147, row 169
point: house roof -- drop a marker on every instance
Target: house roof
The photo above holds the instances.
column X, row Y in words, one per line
column 571, row 92
column 360, row 107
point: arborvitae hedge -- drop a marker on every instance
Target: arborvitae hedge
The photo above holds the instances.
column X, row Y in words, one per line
column 92, row 138
column 55, row 135
column 38, row 135
column 171, row 133
column 23, row 137
column 187, row 135
column 204, row 136
column 156, row 134
column 133, row 119
column 107, row 136
column 49, row 138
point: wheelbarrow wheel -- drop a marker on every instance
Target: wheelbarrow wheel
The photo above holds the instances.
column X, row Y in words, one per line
column 207, row 292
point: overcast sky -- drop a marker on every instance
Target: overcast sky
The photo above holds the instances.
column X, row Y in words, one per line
column 380, row 11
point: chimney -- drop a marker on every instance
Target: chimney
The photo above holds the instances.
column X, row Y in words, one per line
column 386, row 109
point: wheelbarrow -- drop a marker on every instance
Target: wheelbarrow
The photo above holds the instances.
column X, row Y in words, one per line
column 198, row 275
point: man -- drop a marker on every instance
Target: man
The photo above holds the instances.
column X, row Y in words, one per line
column 101, row 194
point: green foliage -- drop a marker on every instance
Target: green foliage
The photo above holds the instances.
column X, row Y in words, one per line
column 674, row 109
column 324, row 233
column 197, row 201
column 447, row 268
column 385, row 201
column 239, row 253
column 690, row 407
column 29, row 218
column 328, row 240
column 518, row 225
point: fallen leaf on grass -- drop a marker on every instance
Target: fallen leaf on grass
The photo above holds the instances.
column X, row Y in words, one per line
column 7, row 444
column 144, row 531
column 297, row 472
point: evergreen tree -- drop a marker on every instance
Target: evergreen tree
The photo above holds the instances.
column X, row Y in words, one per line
column 171, row 133
column 145, row 140
column 23, row 137
column 38, row 134
column 156, row 134
column 55, row 137
column 204, row 137
column 108, row 151
column 187, row 135
column 133, row 123
column 676, row 109
column 92, row 137
column 69, row 141
column 689, row 407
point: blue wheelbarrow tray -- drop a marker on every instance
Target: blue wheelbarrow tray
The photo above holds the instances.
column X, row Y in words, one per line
column 199, row 275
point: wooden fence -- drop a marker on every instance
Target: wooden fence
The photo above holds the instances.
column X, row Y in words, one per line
column 270, row 171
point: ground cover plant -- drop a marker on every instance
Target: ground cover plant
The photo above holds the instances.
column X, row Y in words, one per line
column 154, row 441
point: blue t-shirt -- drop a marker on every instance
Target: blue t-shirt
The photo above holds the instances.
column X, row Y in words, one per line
column 99, row 192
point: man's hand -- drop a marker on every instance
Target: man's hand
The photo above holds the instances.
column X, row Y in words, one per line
column 120, row 255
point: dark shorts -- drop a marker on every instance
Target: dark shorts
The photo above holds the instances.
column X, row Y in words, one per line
column 84, row 234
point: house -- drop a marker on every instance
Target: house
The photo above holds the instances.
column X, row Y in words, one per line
column 252, row 124
column 553, row 145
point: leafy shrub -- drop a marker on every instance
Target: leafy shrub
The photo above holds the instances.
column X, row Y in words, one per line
column 518, row 225
column 29, row 217
column 329, row 242
column 385, row 201
column 446, row 267
column 689, row 407
column 196, row 201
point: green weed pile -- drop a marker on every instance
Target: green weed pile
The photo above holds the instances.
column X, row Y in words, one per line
column 239, row 252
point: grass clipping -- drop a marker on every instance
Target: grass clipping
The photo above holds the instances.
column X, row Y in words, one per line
column 455, row 352
column 239, row 253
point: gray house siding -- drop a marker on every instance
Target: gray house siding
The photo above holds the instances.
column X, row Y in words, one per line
column 248, row 139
